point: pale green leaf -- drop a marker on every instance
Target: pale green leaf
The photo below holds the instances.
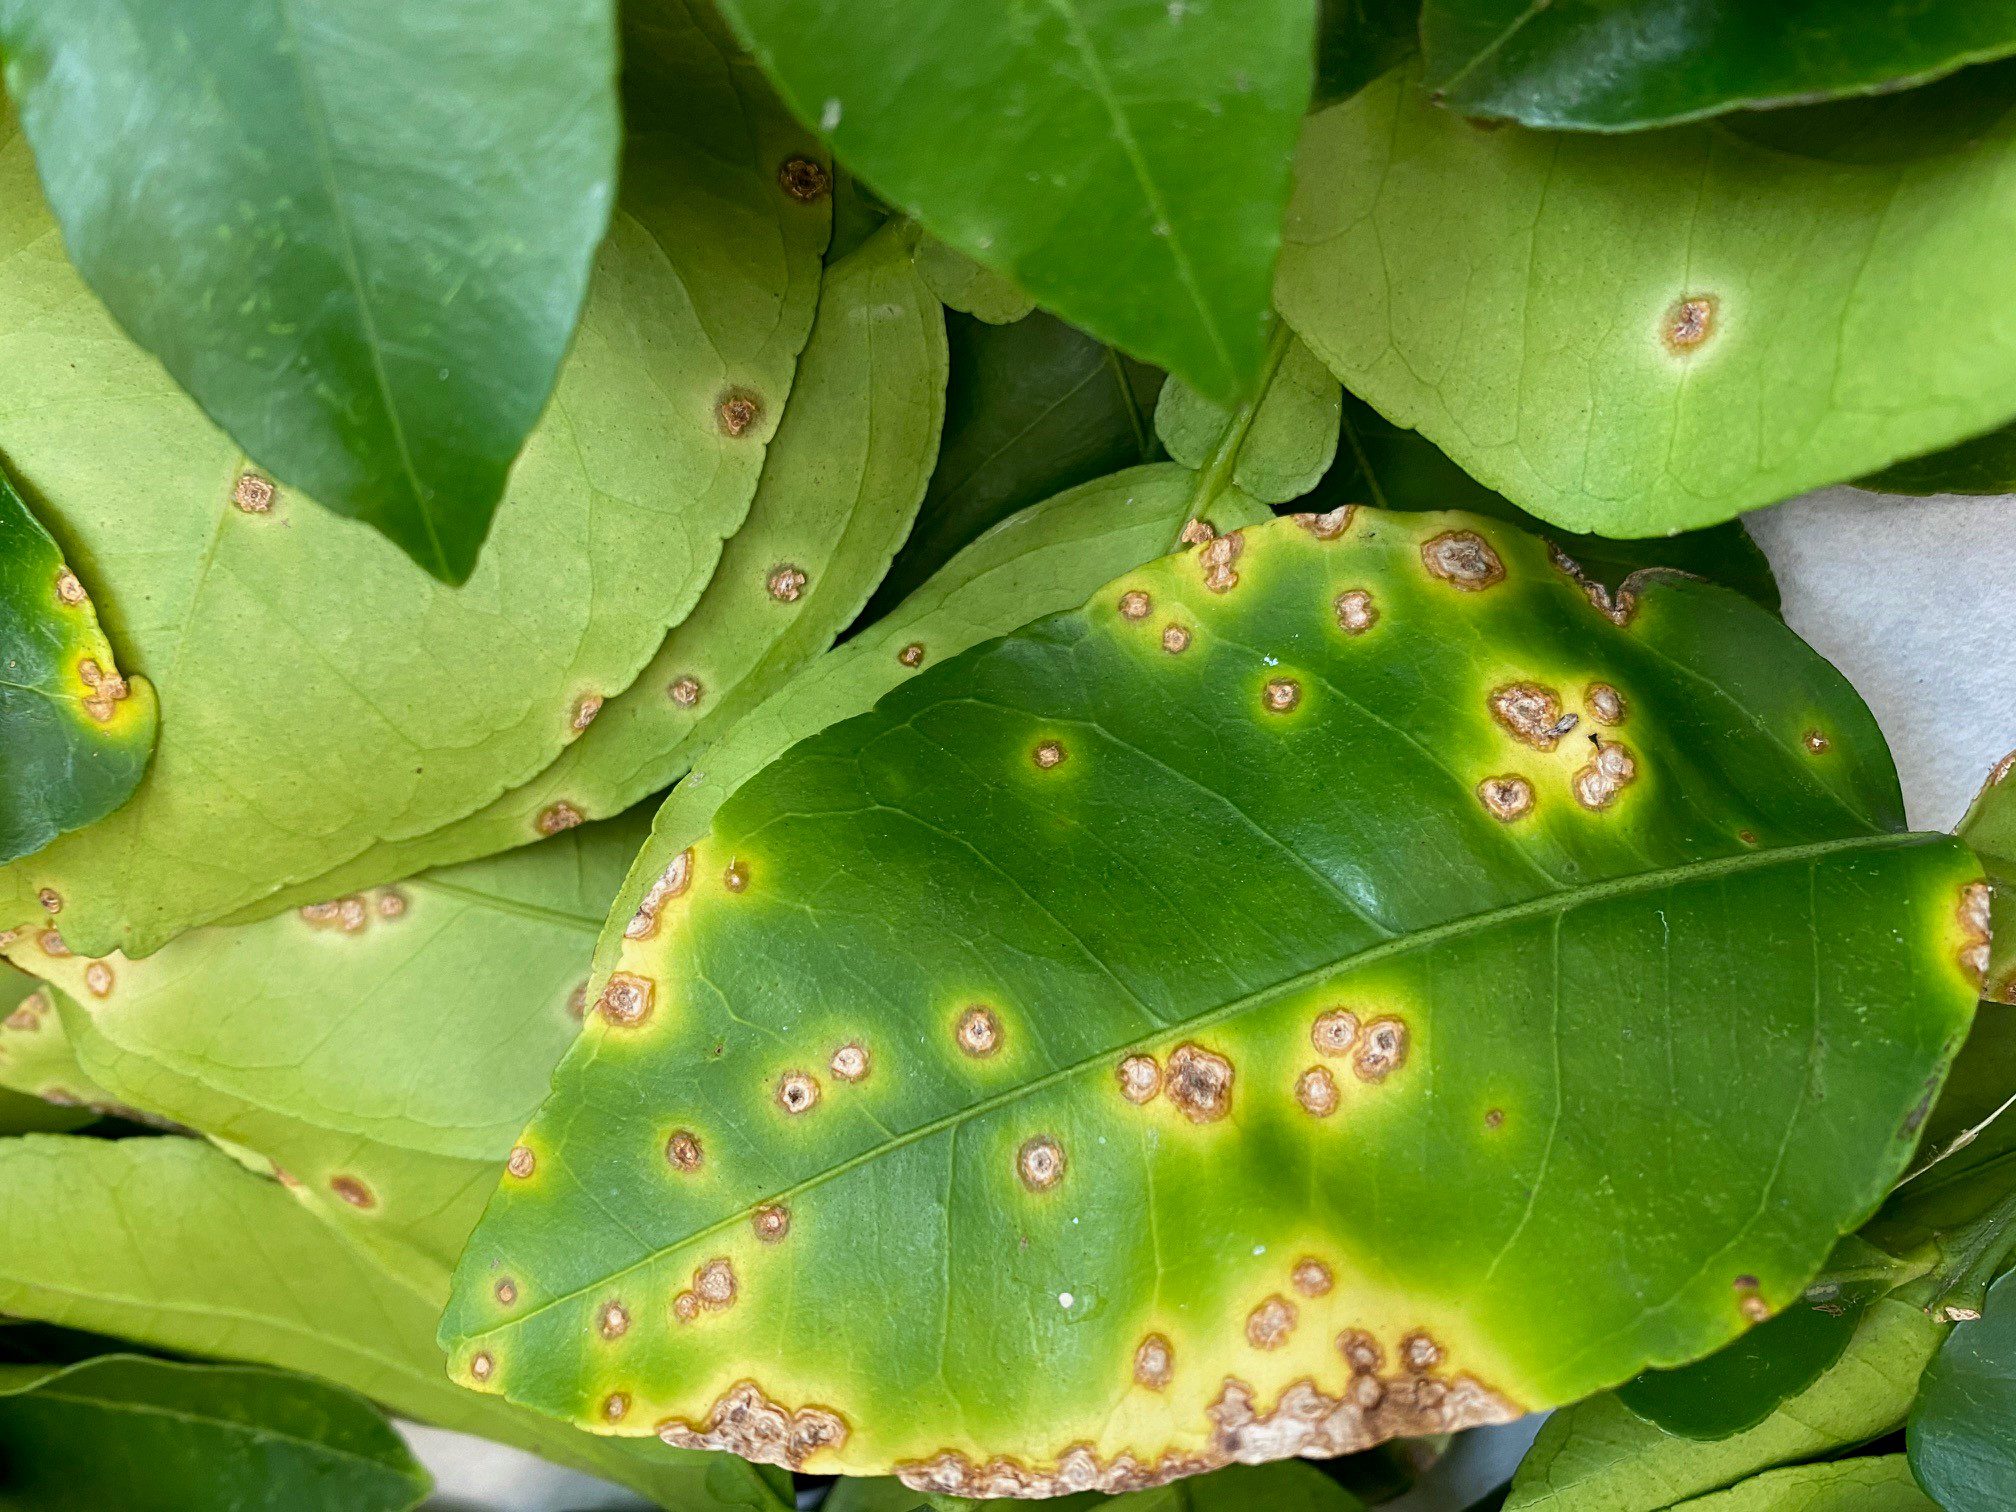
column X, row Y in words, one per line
column 1289, row 437
column 966, row 286
column 318, row 692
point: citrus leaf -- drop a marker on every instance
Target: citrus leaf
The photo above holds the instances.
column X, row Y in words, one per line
column 1358, row 40
column 1878, row 1483
column 1967, row 1162
column 1031, row 409
column 168, row 1243
column 1124, row 164
column 75, row 733
column 37, row 1060
column 841, row 484
column 1281, row 1487
column 194, row 1436
column 1383, row 465
column 1963, row 1427
column 1774, row 309
column 319, row 693
column 357, row 234
column 961, row 284
column 847, row 1088
column 1985, row 464
column 382, row 1051
column 1621, row 65
column 23, row 1110
column 1292, row 435
column 1598, row 1457
column 1040, row 561
column 1989, row 826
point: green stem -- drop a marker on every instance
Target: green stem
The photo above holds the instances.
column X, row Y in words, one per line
column 1969, row 1261
column 1216, row 474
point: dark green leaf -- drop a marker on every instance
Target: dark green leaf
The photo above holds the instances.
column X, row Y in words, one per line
column 1967, row 1160
column 1662, row 1038
column 1124, row 163
column 1599, row 1457
column 1743, row 1383
column 1617, row 65
column 1358, row 40
column 357, row 231
column 1963, row 1428
column 1389, row 467
column 142, row 1435
column 1034, row 408
column 74, row 734
column 1984, row 465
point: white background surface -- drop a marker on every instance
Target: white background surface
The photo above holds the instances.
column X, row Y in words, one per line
column 1913, row 599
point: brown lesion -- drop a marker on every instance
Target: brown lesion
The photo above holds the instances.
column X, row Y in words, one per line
column 105, row 689
column 1976, row 930
column 1689, row 321
column 746, row 1420
column 1531, row 713
column 1463, row 559
column 1199, row 1082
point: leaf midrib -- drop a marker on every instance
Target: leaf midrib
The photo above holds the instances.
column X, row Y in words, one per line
column 1561, row 900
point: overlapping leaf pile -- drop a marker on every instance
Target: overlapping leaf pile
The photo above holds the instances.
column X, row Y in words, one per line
column 662, row 800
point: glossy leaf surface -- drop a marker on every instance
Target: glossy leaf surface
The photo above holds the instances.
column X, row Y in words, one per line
column 841, row 484
column 147, row 1239
column 318, row 692
column 74, row 733
column 356, row 231
column 1381, row 464
column 382, row 1051
column 1124, row 163
column 850, row 1080
column 1620, row 65
column 1963, row 1426
column 147, row 1435
column 1798, row 304
column 1989, row 826
column 1878, row 1483
column 1598, row 1457
column 1032, row 409
column 1040, row 561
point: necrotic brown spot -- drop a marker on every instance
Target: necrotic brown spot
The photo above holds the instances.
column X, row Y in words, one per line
column 1281, row 695
column 1463, row 559
column 978, row 1031
column 1049, row 754
column 672, row 883
column 1200, row 1083
column 771, row 1223
column 736, row 411
column 615, row 1405
column 684, row 691
column 1976, row 930
column 744, row 1421
column 1175, row 640
column 714, row 1284
column 1507, row 798
column 786, row 583
column 796, row 1092
column 735, row 877
column 1532, row 714
column 585, row 710
column 682, row 1151
column 1356, row 613
column 685, row 1307
column 1420, row 1352
column 1334, row 1031
column 1608, row 773
column 50, row 899
column 803, row 179
column 1316, row 1091
column 98, row 977
column 68, row 589
column 52, row 944
column 1330, row 525
column 1311, row 1277
column 1816, row 742
column 481, row 1366
column 1216, row 558
column 613, row 1321
column 1383, row 1050
column 1494, row 1117
column 522, row 1162
column 1134, row 604
column 507, row 1291
column 557, row 817
column 252, row 493
column 1269, row 1325
column 1196, row 532
column 1154, row 1362
column 1606, row 704
column 1688, row 322
column 1140, row 1078
column 391, row 904
column 850, row 1062
column 1040, row 1163
column 352, row 1191
column 626, row 1001
column 912, row 655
